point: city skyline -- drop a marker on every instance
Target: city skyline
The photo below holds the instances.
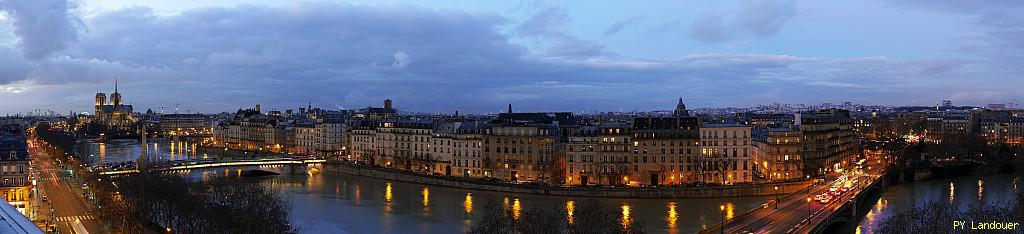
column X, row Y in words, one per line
column 475, row 58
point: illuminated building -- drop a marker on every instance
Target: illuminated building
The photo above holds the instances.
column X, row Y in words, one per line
column 829, row 142
column 728, row 149
column 114, row 114
column 666, row 150
column 14, row 169
column 777, row 154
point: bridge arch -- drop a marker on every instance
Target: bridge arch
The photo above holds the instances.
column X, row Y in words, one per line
column 838, row 224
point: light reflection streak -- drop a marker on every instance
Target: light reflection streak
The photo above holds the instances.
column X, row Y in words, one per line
column 981, row 189
column 468, row 204
column 672, row 215
column 516, row 209
column 387, row 194
column 729, row 208
column 570, row 207
column 426, row 196
column 626, row 219
column 358, row 191
column 952, row 192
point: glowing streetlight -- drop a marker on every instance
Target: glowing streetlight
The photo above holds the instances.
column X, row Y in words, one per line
column 722, row 208
column 776, row 197
column 808, row 210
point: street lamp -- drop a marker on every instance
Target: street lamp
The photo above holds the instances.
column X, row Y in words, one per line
column 808, row 210
column 776, row 197
column 722, row 208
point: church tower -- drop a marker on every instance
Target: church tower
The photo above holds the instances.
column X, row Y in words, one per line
column 681, row 109
column 115, row 98
column 101, row 100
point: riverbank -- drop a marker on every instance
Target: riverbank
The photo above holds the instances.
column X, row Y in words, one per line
column 662, row 192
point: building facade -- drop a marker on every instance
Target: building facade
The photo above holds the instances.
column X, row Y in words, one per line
column 829, row 142
column 14, row 169
column 777, row 154
column 728, row 147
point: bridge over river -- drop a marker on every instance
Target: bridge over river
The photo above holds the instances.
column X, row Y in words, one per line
column 800, row 213
column 276, row 165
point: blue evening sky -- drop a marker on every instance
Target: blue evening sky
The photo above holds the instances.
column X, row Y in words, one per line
column 476, row 56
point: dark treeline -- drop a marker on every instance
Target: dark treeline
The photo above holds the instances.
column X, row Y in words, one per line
column 938, row 217
column 587, row 217
column 62, row 140
column 145, row 201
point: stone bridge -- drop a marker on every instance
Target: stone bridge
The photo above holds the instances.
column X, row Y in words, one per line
column 275, row 165
column 848, row 215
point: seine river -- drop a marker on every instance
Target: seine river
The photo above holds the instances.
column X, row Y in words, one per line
column 337, row 203
column 967, row 192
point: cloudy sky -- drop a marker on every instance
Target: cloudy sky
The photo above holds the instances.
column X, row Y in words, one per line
column 476, row 56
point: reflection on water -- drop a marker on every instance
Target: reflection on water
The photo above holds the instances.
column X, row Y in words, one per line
column 516, row 209
column 317, row 209
column 626, row 220
column 952, row 193
column 468, row 204
column 387, row 193
column 570, row 207
column 426, row 196
column 729, row 209
column 964, row 192
column 333, row 203
column 672, row 216
column 426, row 200
column 124, row 150
column 981, row 189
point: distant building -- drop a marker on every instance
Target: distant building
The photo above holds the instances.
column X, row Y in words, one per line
column 386, row 112
column 948, row 125
column 681, row 109
column 113, row 114
column 947, row 103
column 185, row 124
column 996, row 106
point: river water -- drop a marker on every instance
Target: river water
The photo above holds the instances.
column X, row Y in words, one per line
column 967, row 191
column 337, row 203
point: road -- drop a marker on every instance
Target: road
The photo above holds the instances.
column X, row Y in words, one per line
column 793, row 211
column 65, row 197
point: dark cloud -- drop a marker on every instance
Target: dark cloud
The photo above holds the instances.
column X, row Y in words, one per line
column 43, row 26
column 12, row 66
column 619, row 25
column 337, row 55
